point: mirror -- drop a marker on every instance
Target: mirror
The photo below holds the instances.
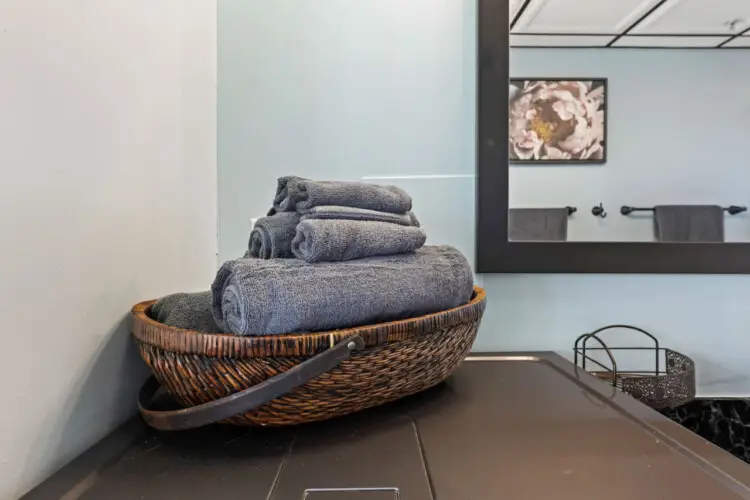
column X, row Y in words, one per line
column 629, row 144
column 620, row 146
column 655, row 150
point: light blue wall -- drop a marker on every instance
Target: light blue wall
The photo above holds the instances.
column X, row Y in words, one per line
column 386, row 90
column 678, row 129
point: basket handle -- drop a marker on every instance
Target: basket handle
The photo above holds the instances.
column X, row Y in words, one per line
column 253, row 397
column 585, row 338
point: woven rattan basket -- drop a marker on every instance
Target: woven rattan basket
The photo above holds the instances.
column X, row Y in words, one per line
column 292, row 379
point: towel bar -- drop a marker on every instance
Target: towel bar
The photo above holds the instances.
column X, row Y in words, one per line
column 626, row 210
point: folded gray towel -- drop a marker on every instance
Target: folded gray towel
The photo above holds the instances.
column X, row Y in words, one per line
column 689, row 223
column 351, row 213
column 297, row 193
column 257, row 297
column 538, row 224
column 192, row 311
column 320, row 240
column 271, row 237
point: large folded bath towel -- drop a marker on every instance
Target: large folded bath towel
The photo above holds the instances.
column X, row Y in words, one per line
column 538, row 224
column 257, row 297
column 351, row 213
column 271, row 237
column 689, row 223
column 339, row 240
column 297, row 193
column 192, row 311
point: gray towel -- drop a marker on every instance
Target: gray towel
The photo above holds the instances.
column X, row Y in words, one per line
column 285, row 197
column 271, row 237
column 350, row 213
column 538, row 224
column 689, row 223
column 339, row 240
column 297, row 193
column 192, row 311
column 256, row 297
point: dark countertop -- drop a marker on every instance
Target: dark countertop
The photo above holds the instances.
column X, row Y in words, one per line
column 520, row 425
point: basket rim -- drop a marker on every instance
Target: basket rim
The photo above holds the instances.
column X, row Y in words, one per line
column 179, row 340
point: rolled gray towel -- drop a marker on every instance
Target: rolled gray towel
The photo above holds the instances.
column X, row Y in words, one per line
column 271, row 237
column 285, row 197
column 258, row 297
column 340, row 240
column 297, row 193
column 192, row 311
column 351, row 213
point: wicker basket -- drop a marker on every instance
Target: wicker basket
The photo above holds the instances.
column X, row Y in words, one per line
column 292, row 379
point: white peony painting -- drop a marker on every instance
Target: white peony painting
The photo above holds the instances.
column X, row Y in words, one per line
column 558, row 120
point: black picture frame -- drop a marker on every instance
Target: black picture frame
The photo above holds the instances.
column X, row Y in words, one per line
column 495, row 254
column 541, row 162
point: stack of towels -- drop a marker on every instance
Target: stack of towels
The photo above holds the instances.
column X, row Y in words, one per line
column 328, row 255
column 335, row 221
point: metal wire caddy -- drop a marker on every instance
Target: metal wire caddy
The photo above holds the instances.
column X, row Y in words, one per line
column 662, row 387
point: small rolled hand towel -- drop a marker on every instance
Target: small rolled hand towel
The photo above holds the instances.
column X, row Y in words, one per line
column 271, row 237
column 320, row 240
column 297, row 193
column 192, row 311
column 259, row 297
column 351, row 213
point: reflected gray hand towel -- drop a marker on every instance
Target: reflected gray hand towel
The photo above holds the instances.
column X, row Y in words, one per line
column 538, row 224
column 192, row 311
column 297, row 193
column 340, row 240
column 271, row 237
column 351, row 213
column 689, row 223
column 257, row 297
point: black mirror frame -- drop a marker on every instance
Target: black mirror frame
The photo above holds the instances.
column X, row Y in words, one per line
column 495, row 254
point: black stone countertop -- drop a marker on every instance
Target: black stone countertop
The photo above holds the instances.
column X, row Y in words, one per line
column 517, row 425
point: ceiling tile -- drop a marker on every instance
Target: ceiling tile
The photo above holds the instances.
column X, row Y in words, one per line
column 514, row 6
column 560, row 40
column 697, row 17
column 669, row 41
column 743, row 41
column 581, row 16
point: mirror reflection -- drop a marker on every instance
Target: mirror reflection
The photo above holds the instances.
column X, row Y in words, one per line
column 635, row 144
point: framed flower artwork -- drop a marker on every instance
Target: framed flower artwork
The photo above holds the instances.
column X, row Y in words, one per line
column 557, row 120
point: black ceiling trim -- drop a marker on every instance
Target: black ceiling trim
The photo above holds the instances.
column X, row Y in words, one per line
column 638, row 21
column 563, row 34
column 519, row 14
column 732, row 38
column 621, row 47
column 626, row 33
column 634, row 35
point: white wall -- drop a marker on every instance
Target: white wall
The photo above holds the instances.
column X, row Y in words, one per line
column 678, row 123
column 387, row 90
column 107, row 197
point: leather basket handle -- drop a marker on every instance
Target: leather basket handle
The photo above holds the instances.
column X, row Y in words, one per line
column 253, row 397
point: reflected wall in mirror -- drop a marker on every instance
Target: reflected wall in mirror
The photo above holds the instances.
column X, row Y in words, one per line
column 675, row 138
